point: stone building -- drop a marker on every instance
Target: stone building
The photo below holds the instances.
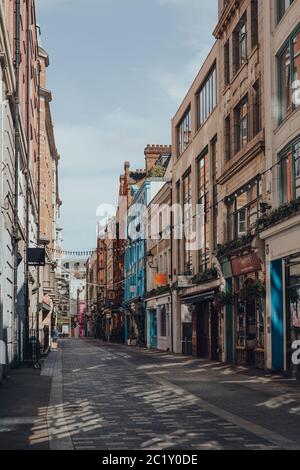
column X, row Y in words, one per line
column 196, row 142
column 241, row 179
column 280, row 227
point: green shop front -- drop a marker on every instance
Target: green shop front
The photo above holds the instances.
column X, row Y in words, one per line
column 244, row 321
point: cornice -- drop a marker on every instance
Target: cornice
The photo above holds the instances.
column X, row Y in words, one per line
column 226, row 17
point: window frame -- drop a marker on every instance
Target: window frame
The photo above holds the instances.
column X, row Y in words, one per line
column 204, row 199
column 287, row 45
column 184, row 123
column 280, row 16
column 282, row 156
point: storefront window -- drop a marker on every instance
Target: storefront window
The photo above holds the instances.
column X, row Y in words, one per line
column 163, row 322
column 250, row 311
column 293, row 305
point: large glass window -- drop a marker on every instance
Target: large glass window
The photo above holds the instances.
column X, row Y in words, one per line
column 290, row 173
column 214, row 157
column 203, row 201
column 293, row 305
column 207, row 97
column 241, row 124
column 188, row 220
column 184, row 133
column 250, row 322
column 244, row 209
column 289, row 76
column 282, row 6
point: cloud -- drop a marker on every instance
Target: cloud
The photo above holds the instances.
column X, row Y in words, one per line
column 194, row 41
column 93, row 156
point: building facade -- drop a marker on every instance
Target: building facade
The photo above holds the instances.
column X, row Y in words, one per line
column 159, row 269
column 21, row 123
column 196, row 143
column 279, row 228
column 135, row 252
column 241, row 181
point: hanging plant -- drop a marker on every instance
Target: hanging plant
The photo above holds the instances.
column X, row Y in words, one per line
column 252, row 291
column 294, row 295
column 222, row 299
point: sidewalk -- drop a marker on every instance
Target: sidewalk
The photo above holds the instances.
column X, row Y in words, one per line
column 24, row 398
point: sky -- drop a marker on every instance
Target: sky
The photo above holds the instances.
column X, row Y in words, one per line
column 119, row 70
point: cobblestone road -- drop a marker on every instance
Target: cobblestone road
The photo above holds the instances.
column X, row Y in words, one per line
column 113, row 397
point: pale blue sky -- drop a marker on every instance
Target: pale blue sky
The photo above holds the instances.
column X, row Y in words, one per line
column 118, row 71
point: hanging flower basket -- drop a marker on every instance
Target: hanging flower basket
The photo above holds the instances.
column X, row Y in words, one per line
column 222, row 299
column 252, row 291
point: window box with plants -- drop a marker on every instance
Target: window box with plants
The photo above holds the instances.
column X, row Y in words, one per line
column 278, row 215
column 231, row 247
column 207, row 276
column 222, row 299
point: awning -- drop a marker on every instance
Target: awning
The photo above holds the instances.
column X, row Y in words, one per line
column 198, row 298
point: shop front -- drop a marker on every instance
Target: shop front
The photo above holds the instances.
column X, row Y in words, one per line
column 135, row 323
column 244, row 322
column 202, row 327
column 283, row 288
column 159, row 323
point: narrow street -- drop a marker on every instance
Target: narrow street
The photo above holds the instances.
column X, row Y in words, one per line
column 92, row 395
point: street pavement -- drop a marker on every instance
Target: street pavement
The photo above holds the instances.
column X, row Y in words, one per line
column 99, row 396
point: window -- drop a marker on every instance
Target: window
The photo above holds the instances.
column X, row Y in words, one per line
column 290, row 173
column 256, row 109
column 282, row 6
column 214, row 158
column 188, row 220
column 228, row 138
column 241, row 124
column 226, row 64
column 244, row 209
column 250, row 321
column 254, row 23
column 163, row 322
column 207, row 97
column 203, row 200
column 240, row 44
column 289, row 76
column 178, row 227
column 184, row 133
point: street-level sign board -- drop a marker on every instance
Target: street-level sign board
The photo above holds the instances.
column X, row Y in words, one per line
column 36, row 256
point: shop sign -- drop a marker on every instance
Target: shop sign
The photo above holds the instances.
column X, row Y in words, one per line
column 160, row 279
column 184, row 281
column 245, row 264
column 36, row 256
column 226, row 269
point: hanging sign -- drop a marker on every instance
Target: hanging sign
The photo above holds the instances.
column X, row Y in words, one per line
column 36, row 256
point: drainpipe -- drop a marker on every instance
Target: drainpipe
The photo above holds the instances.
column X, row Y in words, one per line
column 16, row 237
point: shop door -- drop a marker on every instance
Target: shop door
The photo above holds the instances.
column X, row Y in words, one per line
column 153, row 329
column 214, row 335
column 203, row 330
column 187, row 339
column 250, row 333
